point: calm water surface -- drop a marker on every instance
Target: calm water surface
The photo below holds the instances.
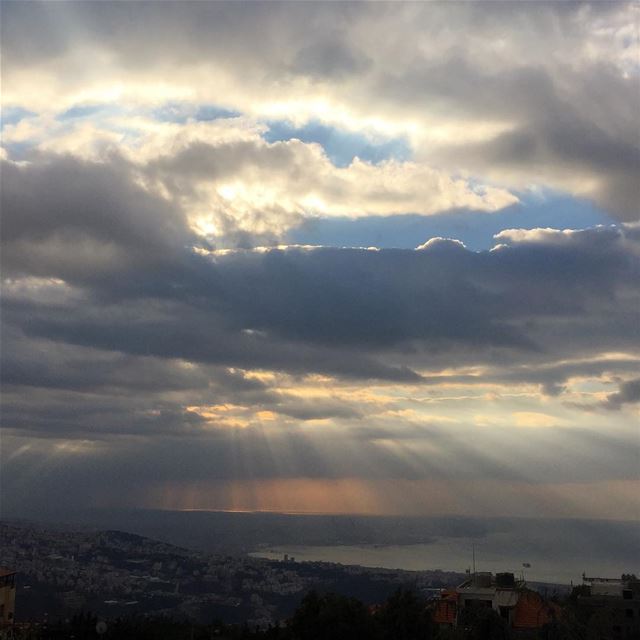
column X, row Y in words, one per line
column 455, row 554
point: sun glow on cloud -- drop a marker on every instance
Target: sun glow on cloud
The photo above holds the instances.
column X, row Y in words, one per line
column 170, row 322
column 403, row 497
column 223, row 172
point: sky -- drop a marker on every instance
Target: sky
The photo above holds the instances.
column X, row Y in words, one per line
column 374, row 258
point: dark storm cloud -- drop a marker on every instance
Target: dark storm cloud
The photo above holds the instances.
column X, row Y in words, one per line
column 350, row 312
column 194, row 30
column 55, row 365
column 329, row 59
column 100, row 365
column 129, row 349
column 121, row 354
column 59, row 366
column 551, row 128
column 559, row 134
column 316, row 409
column 551, row 378
column 77, row 220
column 141, row 33
column 95, row 417
column 628, row 393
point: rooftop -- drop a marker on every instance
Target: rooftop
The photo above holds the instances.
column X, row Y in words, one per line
column 486, row 582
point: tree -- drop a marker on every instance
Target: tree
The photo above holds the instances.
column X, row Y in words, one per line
column 404, row 617
column 331, row 617
column 483, row 624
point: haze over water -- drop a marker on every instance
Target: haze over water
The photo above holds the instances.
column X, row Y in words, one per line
column 455, row 554
column 558, row 551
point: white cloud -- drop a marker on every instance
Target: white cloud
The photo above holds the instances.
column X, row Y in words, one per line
column 516, row 94
column 227, row 178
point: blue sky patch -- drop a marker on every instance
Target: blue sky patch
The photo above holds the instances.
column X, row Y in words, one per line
column 181, row 112
column 17, row 150
column 13, row 115
column 82, row 111
column 475, row 228
column 340, row 146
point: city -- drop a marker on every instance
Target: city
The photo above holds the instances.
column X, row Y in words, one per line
column 319, row 319
column 60, row 575
column 114, row 573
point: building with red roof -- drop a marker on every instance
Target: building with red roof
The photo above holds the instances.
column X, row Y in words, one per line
column 511, row 599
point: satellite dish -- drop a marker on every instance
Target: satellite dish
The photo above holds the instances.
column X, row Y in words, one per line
column 101, row 628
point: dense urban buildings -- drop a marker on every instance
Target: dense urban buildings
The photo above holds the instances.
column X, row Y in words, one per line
column 85, row 576
column 612, row 605
column 114, row 574
column 519, row 606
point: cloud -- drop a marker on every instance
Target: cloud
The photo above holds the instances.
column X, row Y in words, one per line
column 156, row 325
column 131, row 282
column 72, row 218
column 239, row 189
column 544, row 96
column 534, row 419
column 135, row 345
column 247, row 180
column 628, row 393
column 327, row 59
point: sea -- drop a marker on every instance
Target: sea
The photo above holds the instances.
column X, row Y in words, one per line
column 560, row 555
column 551, row 550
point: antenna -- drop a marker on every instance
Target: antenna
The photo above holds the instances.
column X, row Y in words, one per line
column 473, row 551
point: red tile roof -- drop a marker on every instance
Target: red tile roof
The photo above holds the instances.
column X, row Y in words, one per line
column 531, row 612
column 446, row 609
